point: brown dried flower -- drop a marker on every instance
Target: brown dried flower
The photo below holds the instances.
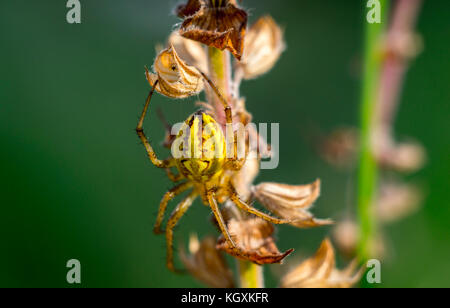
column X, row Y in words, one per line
column 320, row 272
column 216, row 23
column 262, row 49
column 254, row 238
column 291, row 202
column 206, row 263
column 190, row 51
column 175, row 78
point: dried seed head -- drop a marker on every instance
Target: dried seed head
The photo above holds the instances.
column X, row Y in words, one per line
column 291, row 202
column 262, row 49
column 320, row 272
column 175, row 78
column 190, row 51
column 346, row 237
column 216, row 23
column 206, row 263
column 254, row 238
column 396, row 201
column 403, row 157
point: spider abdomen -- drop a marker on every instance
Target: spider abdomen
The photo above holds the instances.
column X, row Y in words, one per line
column 200, row 148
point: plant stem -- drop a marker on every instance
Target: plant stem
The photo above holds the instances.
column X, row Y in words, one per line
column 219, row 66
column 367, row 173
column 250, row 274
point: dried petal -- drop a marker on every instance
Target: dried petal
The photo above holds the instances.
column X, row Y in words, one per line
column 190, row 51
column 254, row 238
column 262, row 49
column 189, row 9
column 175, row 78
column 397, row 200
column 220, row 24
column 207, row 264
column 291, row 202
column 320, row 272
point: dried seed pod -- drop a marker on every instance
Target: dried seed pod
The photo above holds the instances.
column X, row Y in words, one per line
column 263, row 47
column 253, row 237
column 206, row 263
column 396, row 201
column 291, row 202
column 190, row 51
column 216, row 23
column 319, row 272
column 175, row 78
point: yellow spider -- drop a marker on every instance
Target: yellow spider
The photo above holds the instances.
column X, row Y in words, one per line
column 207, row 176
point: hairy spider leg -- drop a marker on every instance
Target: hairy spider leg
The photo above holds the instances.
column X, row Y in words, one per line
column 175, row 217
column 172, row 193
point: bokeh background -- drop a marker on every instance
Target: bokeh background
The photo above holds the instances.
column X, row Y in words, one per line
column 76, row 183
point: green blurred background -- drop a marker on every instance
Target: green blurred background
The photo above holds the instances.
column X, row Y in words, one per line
column 76, row 183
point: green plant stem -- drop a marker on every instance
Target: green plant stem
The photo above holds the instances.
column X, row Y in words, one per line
column 219, row 65
column 367, row 173
column 250, row 275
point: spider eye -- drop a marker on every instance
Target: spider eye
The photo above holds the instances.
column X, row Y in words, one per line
column 174, row 67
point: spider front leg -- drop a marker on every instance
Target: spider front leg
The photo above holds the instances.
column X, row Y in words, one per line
column 247, row 208
column 140, row 131
column 172, row 193
column 235, row 162
column 176, row 215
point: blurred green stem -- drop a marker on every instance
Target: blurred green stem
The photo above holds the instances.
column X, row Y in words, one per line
column 367, row 173
column 250, row 275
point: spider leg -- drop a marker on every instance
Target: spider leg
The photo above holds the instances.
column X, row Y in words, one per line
column 234, row 163
column 218, row 215
column 140, row 131
column 172, row 193
column 247, row 208
column 222, row 225
column 176, row 215
column 174, row 177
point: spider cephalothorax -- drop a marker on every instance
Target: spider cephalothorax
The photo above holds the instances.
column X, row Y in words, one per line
column 199, row 155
